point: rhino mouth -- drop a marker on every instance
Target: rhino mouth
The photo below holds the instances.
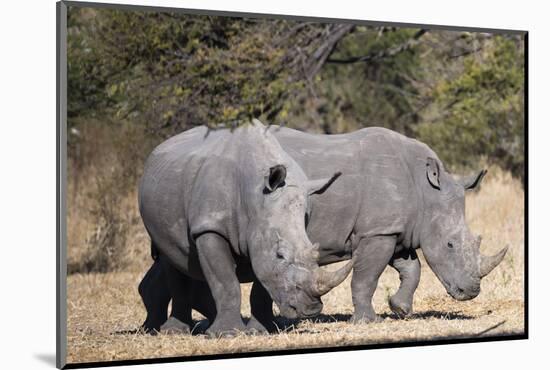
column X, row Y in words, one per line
column 462, row 290
column 462, row 294
column 312, row 311
column 292, row 312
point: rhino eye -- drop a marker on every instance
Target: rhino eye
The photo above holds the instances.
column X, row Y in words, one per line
column 450, row 245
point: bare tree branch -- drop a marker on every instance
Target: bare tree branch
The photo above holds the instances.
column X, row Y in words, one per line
column 319, row 57
column 384, row 53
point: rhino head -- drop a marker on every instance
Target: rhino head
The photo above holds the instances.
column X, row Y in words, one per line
column 282, row 256
column 451, row 250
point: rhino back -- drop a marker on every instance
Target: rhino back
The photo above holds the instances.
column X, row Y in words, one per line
column 177, row 187
column 375, row 195
column 334, row 213
column 391, row 200
column 207, row 181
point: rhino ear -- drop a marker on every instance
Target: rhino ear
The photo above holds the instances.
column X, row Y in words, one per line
column 275, row 179
column 472, row 182
column 321, row 185
column 432, row 172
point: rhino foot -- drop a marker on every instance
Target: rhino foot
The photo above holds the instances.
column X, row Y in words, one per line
column 364, row 318
column 400, row 306
column 254, row 327
column 225, row 331
column 175, row 326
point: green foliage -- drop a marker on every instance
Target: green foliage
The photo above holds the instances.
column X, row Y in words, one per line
column 174, row 70
column 86, row 82
column 482, row 109
column 377, row 93
column 461, row 93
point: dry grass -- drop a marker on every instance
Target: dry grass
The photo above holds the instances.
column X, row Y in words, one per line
column 105, row 232
column 100, row 305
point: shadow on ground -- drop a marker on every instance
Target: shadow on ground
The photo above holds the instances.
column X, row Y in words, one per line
column 442, row 315
column 199, row 328
column 323, row 318
column 290, row 325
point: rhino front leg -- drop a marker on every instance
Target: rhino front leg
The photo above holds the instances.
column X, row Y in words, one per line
column 261, row 309
column 372, row 255
column 155, row 295
column 218, row 267
column 407, row 264
column 203, row 301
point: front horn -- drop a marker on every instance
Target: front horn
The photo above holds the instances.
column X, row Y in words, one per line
column 326, row 280
column 488, row 263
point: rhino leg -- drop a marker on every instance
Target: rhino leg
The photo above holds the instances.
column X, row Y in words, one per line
column 262, row 320
column 372, row 255
column 203, row 301
column 218, row 267
column 155, row 296
column 407, row 264
column 179, row 287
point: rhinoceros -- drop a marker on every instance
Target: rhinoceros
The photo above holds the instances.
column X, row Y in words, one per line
column 229, row 206
column 394, row 197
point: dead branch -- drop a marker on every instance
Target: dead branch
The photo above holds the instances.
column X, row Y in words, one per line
column 384, row 53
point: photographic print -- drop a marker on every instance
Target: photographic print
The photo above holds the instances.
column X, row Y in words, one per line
column 240, row 184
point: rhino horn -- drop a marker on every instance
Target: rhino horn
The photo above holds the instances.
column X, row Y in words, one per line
column 326, row 280
column 488, row 263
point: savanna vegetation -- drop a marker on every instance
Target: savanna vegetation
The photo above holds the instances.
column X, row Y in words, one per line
column 104, row 309
column 136, row 78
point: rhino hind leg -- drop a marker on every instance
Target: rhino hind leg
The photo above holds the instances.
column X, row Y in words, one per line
column 218, row 266
column 262, row 320
column 407, row 265
column 180, row 289
column 372, row 255
column 155, row 296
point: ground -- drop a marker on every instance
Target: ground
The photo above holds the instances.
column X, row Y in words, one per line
column 105, row 308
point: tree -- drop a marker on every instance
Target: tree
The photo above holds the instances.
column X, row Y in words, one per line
column 480, row 112
column 178, row 70
column 460, row 92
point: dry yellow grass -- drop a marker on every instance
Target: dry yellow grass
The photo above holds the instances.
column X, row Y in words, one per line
column 102, row 306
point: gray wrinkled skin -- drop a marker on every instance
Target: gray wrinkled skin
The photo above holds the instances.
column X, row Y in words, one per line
column 224, row 207
column 394, row 196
